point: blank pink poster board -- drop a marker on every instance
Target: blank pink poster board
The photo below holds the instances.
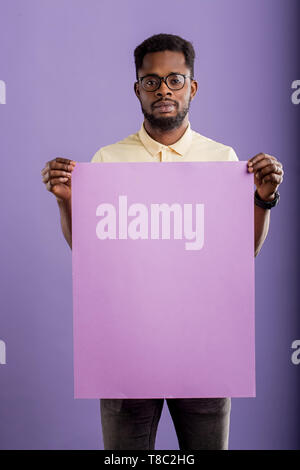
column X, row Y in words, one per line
column 163, row 280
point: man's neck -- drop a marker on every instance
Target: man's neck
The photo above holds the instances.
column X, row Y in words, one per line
column 167, row 137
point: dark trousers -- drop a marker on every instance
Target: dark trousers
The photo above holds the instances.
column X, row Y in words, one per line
column 131, row 424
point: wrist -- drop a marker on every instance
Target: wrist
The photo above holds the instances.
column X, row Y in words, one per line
column 269, row 198
column 266, row 203
column 64, row 203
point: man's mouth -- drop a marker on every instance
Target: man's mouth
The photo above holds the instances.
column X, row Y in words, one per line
column 165, row 106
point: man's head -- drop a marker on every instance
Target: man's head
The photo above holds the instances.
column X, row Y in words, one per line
column 165, row 104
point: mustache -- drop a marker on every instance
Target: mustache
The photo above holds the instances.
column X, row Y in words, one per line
column 165, row 101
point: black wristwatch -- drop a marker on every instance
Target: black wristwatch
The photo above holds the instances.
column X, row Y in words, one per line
column 266, row 204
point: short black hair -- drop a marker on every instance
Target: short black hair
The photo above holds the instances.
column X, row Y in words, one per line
column 165, row 42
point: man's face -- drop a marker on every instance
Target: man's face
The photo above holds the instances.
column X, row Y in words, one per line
column 165, row 109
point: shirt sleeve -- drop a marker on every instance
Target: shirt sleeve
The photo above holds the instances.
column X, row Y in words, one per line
column 232, row 156
column 97, row 158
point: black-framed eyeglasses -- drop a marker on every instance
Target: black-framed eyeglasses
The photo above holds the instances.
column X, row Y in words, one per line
column 174, row 81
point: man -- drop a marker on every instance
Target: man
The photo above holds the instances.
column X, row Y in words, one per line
column 165, row 87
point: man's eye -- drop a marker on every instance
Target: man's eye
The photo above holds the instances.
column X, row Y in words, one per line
column 175, row 79
column 151, row 82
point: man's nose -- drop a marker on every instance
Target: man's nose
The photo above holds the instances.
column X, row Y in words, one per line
column 163, row 90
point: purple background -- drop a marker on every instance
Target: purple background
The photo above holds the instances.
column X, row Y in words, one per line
column 61, row 60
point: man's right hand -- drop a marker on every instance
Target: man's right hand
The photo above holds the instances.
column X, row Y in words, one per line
column 57, row 175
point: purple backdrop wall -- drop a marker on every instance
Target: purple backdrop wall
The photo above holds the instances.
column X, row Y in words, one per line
column 60, row 60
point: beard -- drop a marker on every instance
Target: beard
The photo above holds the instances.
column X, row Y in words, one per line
column 167, row 123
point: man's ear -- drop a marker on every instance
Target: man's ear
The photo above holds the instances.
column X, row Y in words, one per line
column 194, row 88
column 136, row 89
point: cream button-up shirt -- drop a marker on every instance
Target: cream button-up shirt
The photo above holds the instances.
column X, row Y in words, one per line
column 140, row 147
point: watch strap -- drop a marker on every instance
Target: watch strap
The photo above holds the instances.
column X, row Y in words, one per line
column 266, row 204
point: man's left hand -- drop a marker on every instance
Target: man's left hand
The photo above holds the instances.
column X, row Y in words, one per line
column 268, row 175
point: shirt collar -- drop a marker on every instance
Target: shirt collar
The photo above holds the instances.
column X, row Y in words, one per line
column 180, row 147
